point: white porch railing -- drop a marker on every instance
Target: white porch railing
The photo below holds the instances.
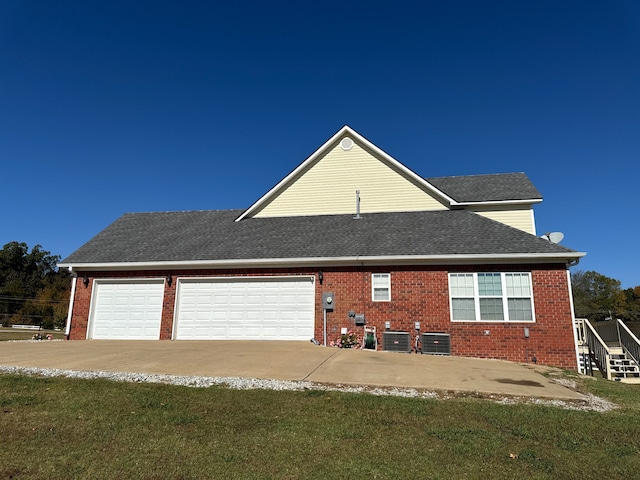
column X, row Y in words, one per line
column 597, row 347
column 613, row 348
column 629, row 341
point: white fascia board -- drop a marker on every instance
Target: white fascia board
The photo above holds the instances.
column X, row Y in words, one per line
column 334, row 261
column 346, row 130
column 400, row 166
column 286, row 179
column 496, row 203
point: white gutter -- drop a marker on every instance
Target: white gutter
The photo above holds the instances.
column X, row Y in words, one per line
column 335, row 261
column 496, row 203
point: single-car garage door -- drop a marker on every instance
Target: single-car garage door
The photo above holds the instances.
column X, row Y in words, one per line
column 126, row 310
column 264, row 308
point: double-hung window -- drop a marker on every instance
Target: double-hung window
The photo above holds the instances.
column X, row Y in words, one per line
column 491, row 297
column 381, row 287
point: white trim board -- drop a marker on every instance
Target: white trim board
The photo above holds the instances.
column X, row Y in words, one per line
column 333, row 261
column 346, row 130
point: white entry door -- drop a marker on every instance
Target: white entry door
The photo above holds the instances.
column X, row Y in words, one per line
column 263, row 308
column 126, row 310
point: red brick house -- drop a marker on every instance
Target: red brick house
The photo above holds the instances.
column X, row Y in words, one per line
column 459, row 255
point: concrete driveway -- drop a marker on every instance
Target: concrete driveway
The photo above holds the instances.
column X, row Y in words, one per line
column 289, row 361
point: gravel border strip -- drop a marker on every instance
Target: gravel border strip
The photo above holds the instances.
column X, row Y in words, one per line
column 590, row 402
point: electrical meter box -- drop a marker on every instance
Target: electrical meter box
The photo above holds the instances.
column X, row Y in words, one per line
column 328, row 301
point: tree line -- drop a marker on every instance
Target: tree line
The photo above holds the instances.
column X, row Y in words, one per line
column 597, row 297
column 34, row 292
column 32, row 289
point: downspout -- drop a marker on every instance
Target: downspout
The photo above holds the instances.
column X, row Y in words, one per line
column 74, row 280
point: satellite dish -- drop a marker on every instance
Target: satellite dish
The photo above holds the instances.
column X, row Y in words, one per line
column 553, row 237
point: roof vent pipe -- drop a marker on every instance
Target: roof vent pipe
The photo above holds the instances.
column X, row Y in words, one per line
column 357, row 204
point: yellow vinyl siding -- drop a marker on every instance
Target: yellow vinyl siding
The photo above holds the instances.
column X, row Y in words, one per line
column 517, row 216
column 328, row 186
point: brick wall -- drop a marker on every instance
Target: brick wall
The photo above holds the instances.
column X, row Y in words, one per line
column 418, row 294
column 421, row 294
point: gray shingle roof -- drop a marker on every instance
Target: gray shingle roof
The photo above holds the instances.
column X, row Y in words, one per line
column 215, row 236
column 487, row 188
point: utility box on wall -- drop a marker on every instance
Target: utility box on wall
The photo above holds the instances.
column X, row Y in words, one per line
column 328, row 301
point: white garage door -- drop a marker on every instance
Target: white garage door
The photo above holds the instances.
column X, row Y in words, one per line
column 127, row 310
column 278, row 308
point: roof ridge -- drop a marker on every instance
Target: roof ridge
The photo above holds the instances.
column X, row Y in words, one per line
column 185, row 211
column 475, row 175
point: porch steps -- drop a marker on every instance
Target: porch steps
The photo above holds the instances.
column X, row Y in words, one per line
column 583, row 356
column 603, row 347
column 623, row 368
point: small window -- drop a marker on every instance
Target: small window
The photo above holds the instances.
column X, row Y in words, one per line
column 381, row 287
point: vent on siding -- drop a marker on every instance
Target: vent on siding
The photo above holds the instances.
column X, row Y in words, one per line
column 436, row 343
column 346, row 144
column 396, row 342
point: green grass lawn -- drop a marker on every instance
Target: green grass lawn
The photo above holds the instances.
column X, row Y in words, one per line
column 68, row 428
column 7, row 334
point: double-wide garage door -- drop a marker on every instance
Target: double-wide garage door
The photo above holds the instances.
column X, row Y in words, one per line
column 261, row 308
column 264, row 308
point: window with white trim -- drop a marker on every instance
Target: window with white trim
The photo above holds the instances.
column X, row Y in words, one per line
column 381, row 287
column 500, row 297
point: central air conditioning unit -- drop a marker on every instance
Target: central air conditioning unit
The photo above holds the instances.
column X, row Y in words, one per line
column 396, row 342
column 436, row 343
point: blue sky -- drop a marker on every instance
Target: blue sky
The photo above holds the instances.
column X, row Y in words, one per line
column 124, row 106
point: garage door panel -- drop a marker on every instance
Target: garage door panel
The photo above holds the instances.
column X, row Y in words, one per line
column 127, row 310
column 289, row 299
column 236, row 331
column 135, row 332
column 271, row 331
column 216, row 332
column 254, row 299
column 247, row 308
column 286, row 331
column 114, row 332
column 201, row 330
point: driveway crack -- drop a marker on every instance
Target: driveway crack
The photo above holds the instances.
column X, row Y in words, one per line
column 320, row 365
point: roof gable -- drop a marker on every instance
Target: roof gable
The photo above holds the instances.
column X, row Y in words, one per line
column 327, row 181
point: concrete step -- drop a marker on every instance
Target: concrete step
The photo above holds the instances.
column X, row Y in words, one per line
column 630, row 380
